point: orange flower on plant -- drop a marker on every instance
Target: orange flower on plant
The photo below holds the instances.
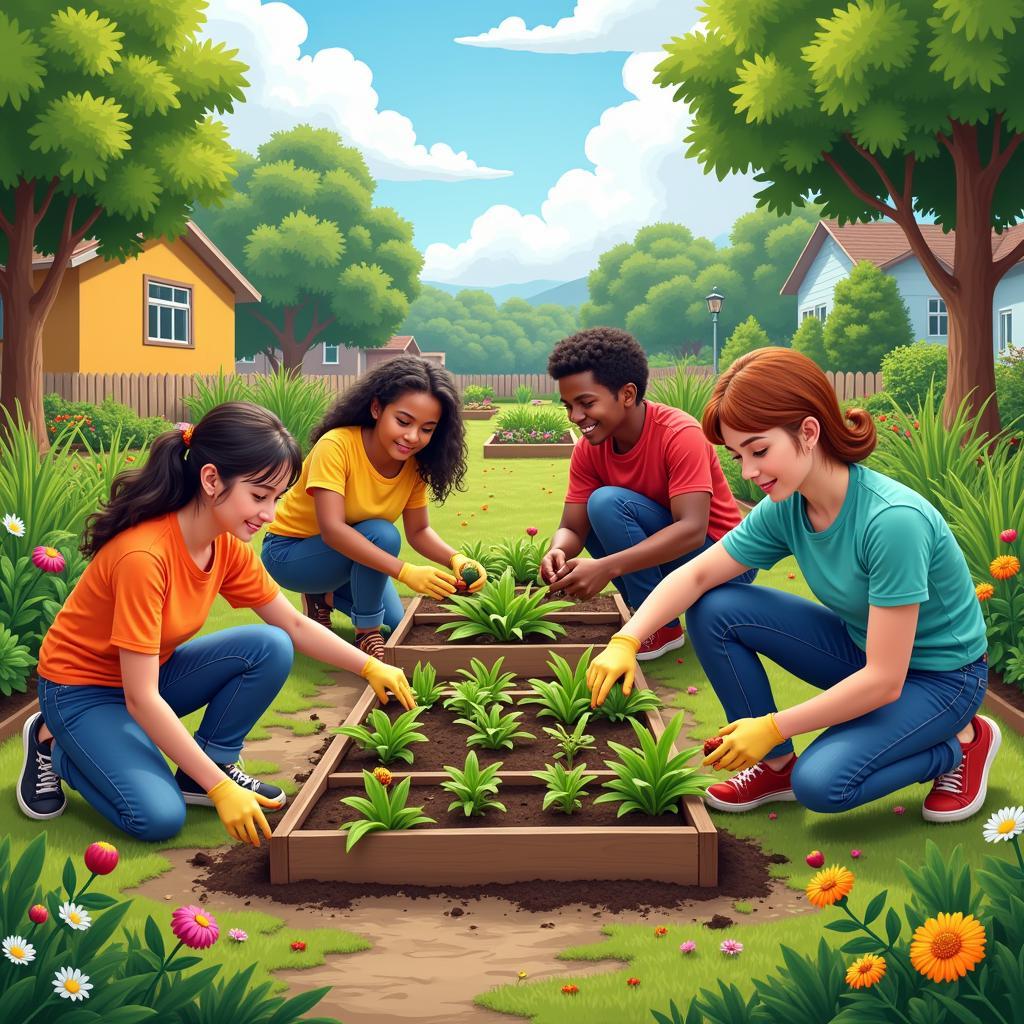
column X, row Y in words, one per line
column 569, row 990
column 947, row 946
column 865, row 972
column 984, row 591
column 1002, row 567
column 830, row 886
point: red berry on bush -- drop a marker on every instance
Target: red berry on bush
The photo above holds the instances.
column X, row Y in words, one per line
column 712, row 743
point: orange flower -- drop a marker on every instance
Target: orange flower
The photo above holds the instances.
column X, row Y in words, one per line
column 866, row 971
column 569, row 990
column 1002, row 567
column 946, row 947
column 382, row 775
column 830, row 886
column 984, row 591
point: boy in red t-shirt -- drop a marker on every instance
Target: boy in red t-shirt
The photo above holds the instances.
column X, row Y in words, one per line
column 646, row 491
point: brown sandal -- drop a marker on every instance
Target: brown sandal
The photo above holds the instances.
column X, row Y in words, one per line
column 316, row 607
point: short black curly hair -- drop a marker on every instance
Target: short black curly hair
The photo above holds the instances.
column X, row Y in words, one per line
column 614, row 357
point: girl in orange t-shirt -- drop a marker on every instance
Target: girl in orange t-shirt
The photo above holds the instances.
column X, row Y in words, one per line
column 121, row 663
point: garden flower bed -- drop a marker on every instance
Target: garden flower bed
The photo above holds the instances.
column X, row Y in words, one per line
column 526, row 843
column 481, row 413
column 1006, row 700
column 505, row 445
column 16, row 710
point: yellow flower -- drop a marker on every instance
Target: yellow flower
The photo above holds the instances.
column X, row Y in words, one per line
column 946, row 947
column 866, row 971
column 829, row 886
column 1002, row 567
column 984, row 591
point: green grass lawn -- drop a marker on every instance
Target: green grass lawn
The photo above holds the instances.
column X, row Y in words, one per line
column 519, row 493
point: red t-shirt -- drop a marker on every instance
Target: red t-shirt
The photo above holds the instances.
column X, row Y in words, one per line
column 672, row 457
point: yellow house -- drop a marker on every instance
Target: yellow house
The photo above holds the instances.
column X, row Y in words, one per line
column 171, row 309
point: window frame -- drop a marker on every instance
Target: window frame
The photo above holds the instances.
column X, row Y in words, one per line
column 1005, row 340
column 821, row 312
column 940, row 314
column 147, row 280
column 324, row 361
column 247, row 359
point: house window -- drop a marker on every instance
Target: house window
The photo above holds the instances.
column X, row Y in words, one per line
column 1005, row 329
column 247, row 359
column 330, row 355
column 938, row 321
column 805, row 313
column 821, row 312
column 168, row 313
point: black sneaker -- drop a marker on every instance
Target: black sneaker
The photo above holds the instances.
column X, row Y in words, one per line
column 195, row 794
column 40, row 795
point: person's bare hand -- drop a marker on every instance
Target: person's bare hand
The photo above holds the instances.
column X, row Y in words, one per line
column 583, row 577
column 551, row 565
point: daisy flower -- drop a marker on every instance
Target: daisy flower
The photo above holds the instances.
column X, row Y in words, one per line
column 865, row 972
column 731, row 947
column 688, row 946
column 18, row 951
column 984, row 591
column 830, row 886
column 74, row 916
column 13, row 525
column 238, row 935
column 194, row 927
column 48, row 559
column 947, row 946
column 71, row 983
column 1002, row 567
column 1004, row 825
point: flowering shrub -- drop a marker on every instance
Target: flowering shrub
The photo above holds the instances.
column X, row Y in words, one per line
column 522, row 419
column 477, row 395
column 97, row 425
column 520, row 436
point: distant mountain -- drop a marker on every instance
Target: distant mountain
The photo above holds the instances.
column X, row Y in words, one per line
column 500, row 292
column 571, row 293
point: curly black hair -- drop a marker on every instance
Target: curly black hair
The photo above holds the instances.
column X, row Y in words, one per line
column 442, row 463
column 614, row 357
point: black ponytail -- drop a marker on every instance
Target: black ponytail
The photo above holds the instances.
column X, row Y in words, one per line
column 240, row 439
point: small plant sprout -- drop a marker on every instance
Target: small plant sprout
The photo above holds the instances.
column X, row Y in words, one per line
column 565, row 786
column 571, row 743
column 424, row 686
column 567, row 697
column 390, row 741
column 651, row 779
column 520, row 554
column 493, row 730
column 617, row 706
column 471, row 695
column 491, row 679
column 381, row 810
column 481, row 552
column 498, row 611
column 473, row 786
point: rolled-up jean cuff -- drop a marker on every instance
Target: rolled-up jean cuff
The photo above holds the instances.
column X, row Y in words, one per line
column 217, row 753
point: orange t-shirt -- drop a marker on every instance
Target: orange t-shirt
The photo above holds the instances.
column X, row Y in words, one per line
column 143, row 592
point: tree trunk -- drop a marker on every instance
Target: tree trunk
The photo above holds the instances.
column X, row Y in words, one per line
column 22, row 375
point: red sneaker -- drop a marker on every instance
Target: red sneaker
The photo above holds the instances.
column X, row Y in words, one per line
column 668, row 638
column 960, row 793
column 752, row 787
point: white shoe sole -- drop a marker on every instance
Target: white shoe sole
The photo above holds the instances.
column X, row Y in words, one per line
column 975, row 805
column 672, row 645
column 26, row 733
column 719, row 805
column 202, row 800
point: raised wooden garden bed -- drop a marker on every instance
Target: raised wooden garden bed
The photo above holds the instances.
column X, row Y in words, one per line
column 527, row 843
column 559, row 450
column 416, row 639
column 16, row 710
column 1005, row 700
column 479, row 414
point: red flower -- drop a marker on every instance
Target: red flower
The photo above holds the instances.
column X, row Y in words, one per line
column 38, row 914
column 815, row 859
column 1008, row 536
column 883, row 417
column 660, row 932
column 632, row 982
column 101, row 858
column 532, row 531
column 299, row 947
column 569, row 990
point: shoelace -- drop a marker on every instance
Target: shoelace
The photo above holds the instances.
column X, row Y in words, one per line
column 321, row 610
column 47, row 780
column 235, row 772
column 740, row 781
column 951, row 782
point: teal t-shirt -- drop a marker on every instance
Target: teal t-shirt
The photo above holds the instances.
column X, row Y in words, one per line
column 887, row 547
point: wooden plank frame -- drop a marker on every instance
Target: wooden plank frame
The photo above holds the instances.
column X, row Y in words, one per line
column 685, row 854
column 492, row 450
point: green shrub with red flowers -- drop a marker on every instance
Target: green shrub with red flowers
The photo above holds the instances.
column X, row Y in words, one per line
column 99, row 424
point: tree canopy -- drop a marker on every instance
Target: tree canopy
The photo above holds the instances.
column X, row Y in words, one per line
column 747, row 336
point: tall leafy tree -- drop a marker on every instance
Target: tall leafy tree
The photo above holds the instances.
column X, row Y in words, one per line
column 809, row 339
column 106, row 116
column 303, row 228
column 747, row 336
column 877, row 109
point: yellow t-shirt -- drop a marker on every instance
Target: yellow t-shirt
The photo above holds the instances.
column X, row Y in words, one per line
column 338, row 462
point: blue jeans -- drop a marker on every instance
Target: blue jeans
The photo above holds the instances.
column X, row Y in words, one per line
column 309, row 565
column 100, row 750
column 913, row 739
column 621, row 519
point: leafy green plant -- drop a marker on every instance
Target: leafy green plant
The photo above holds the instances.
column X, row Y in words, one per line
column 567, row 696
column 498, row 611
column 424, row 686
column 299, row 401
column 390, row 741
column 98, row 424
column 520, row 554
column 15, row 662
column 208, row 395
column 540, row 419
column 571, row 743
column 743, row 489
column 617, row 706
column 523, row 394
column 493, row 730
column 473, row 786
column 491, row 679
column 382, row 810
column 565, row 786
column 482, row 553
column 473, row 393
column 470, row 694
column 651, row 779
column 687, row 391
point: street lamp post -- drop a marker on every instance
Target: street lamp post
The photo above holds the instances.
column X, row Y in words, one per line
column 715, row 302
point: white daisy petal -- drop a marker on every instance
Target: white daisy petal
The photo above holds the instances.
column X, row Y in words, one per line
column 18, row 951
column 1004, row 825
column 14, row 525
column 71, row 983
column 75, row 916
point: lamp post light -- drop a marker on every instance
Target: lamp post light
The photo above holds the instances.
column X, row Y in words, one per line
column 715, row 302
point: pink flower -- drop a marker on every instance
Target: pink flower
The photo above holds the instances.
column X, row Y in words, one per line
column 238, row 935
column 772, row 815
column 632, row 982
column 815, row 859
column 691, row 690
column 101, row 858
column 532, row 531
column 195, row 927
column 48, row 559
column 855, row 854
column 1008, row 536
column 38, row 914
column 899, row 809
column 688, row 946
column 298, row 946
column 731, row 947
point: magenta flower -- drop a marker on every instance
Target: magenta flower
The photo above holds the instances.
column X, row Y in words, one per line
column 532, row 531
column 688, row 946
column 101, row 858
column 731, row 947
column 855, row 854
column 238, row 935
column 38, row 914
column 1008, row 536
column 899, row 809
column 48, row 559
column 772, row 815
column 195, row 927
column 691, row 690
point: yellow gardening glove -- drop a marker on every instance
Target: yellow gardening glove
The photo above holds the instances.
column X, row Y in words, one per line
column 747, row 741
column 617, row 659
column 239, row 811
column 383, row 677
column 459, row 562
column 428, row 580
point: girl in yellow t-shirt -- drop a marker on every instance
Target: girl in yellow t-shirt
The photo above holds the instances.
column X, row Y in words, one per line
column 395, row 433
column 121, row 663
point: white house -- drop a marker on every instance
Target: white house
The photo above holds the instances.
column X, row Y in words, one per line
column 330, row 358
column 832, row 251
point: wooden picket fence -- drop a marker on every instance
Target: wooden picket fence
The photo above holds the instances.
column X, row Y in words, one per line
column 163, row 394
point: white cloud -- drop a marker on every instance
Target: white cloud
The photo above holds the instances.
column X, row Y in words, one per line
column 596, row 26
column 641, row 175
column 330, row 89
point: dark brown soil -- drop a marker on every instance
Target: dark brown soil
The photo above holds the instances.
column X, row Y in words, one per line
column 601, row 603
column 16, row 701
column 1011, row 693
column 575, row 633
column 566, row 438
column 742, row 874
column 447, row 743
column 524, row 804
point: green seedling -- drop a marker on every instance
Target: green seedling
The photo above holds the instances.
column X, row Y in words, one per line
column 617, row 706
column 567, row 697
column 571, row 743
column 473, row 786
column 493, row 730
column 390, row 741
column 424, row 685
column 491, row 679
column 471, row 696
column 382, row 810
column 565, row 786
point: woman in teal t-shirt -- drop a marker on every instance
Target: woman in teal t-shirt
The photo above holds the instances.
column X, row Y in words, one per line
column 896, row 645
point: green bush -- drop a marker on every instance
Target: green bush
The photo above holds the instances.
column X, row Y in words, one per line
column 476, row 393
column 687, row 391
column 540, row 420
column 99, row 424
column 747, row 336
column 744, row 490
column 1010, row 389
column 809, row 339
column 909, row 369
